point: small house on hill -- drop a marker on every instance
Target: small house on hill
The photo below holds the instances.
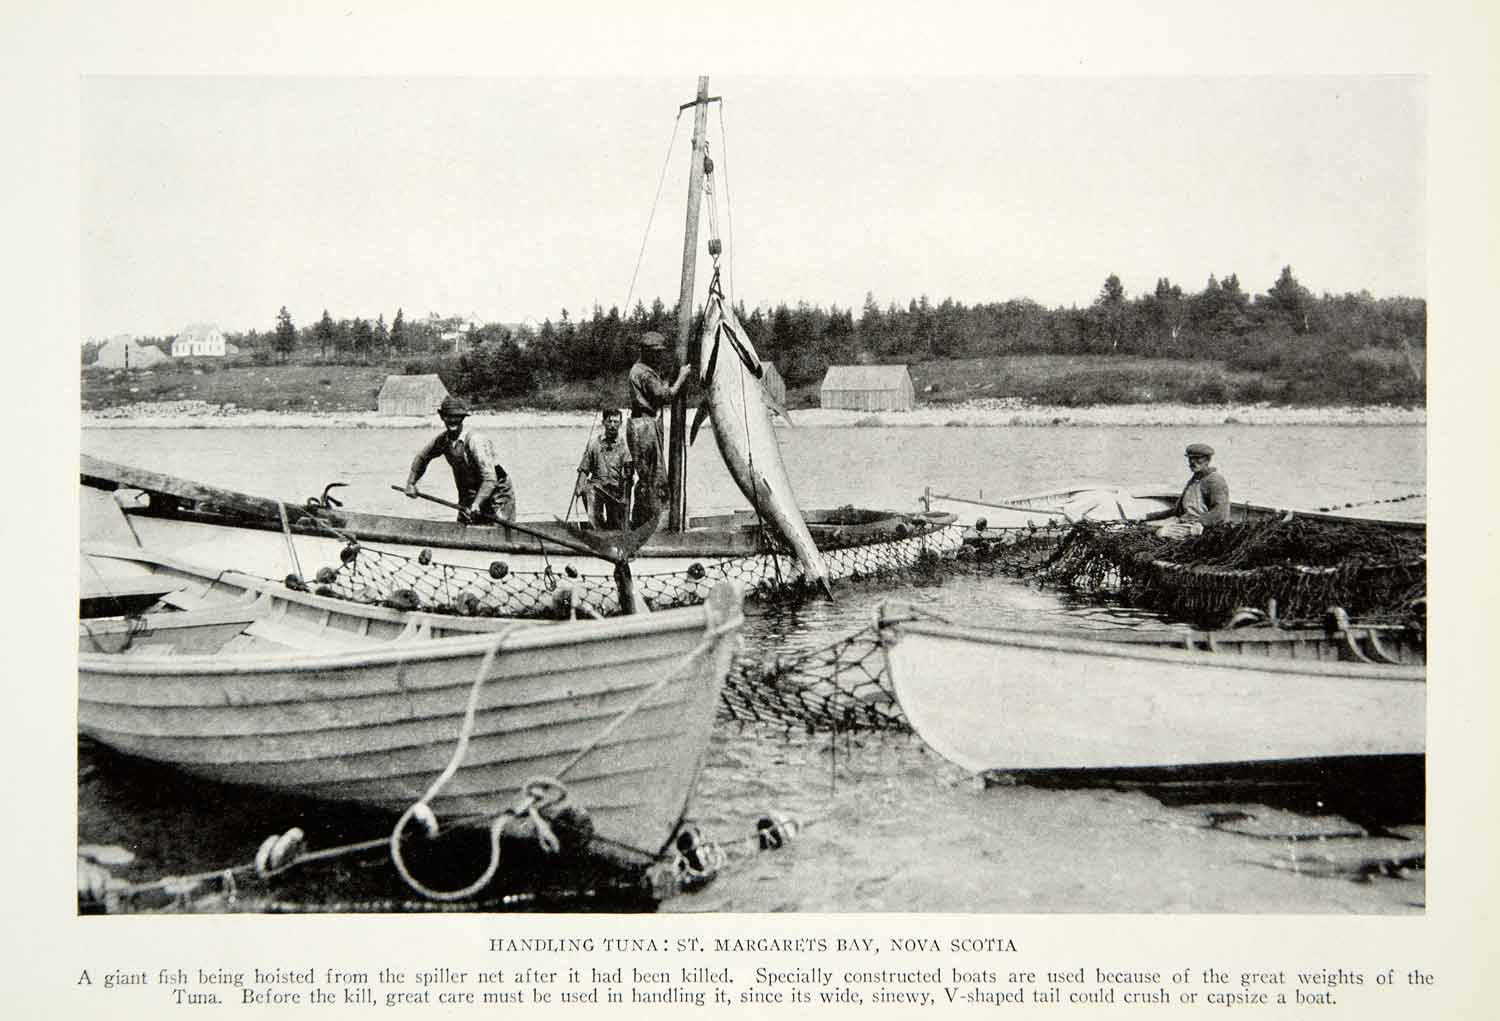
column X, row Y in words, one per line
column 123, row 352
column 411, row 395
column 867, row 388
column 203, row 340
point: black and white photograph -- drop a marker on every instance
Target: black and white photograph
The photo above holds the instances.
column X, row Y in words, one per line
column 1062, row 515
column 667, row 499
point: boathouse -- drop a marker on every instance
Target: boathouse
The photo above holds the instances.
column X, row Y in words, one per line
column 123, row 352
column 199, row 340
column 411, row 395
column 867, row 388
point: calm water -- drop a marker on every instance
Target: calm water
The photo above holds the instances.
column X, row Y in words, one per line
column 889, row 826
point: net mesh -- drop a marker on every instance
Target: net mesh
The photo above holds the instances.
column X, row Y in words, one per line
column 1305, row 566
column 841, row 686
column 422, row 582
column 1299, row 566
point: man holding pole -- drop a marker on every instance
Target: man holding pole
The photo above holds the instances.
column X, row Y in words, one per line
column 648, row 395
column 484, row 489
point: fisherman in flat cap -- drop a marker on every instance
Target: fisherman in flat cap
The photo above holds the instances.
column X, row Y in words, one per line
column 1204, row 501
column 484, row 489
column 648, row 395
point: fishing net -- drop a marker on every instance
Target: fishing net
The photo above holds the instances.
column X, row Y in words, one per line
column 1297, row 568
column 411, row 583
column 1011, row 552
column 842, row 686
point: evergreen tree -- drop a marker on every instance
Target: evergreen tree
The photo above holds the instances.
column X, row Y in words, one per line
column 1289, row 300
column 286, row 334
column 398, row 331
column 324, row 332
column 360, row 338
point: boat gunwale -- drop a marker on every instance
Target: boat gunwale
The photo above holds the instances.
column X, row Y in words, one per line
column 1103, row 648
column 1165, row 492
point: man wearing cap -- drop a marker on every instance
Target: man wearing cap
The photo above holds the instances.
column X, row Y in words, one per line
column 1204, row 501
column 648, row 395
column 484, row 489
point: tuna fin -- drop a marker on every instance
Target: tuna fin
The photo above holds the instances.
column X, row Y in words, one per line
column 699, row 417
column 775, row 406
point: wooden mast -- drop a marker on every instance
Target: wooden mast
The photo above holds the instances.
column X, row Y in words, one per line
column 677, row 443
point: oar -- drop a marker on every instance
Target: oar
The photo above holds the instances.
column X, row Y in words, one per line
column 577, row 540
column 575, row 543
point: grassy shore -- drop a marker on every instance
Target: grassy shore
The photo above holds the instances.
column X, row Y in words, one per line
column 975, row 414
column 1029, row 390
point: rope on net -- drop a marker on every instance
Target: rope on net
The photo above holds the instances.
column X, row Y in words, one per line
column 1302, row 566
column 368, row 575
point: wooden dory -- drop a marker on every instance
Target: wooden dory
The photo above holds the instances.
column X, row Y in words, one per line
column 1086, row 501
column 1011, row 700
column 214, row 525
column 333, row 700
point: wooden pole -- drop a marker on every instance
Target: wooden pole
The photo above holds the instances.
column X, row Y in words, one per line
column 677, row 442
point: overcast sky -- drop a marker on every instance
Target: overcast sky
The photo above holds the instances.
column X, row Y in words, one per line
column 222, row 199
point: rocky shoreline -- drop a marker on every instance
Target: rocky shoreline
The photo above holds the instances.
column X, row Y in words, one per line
column 980, row 414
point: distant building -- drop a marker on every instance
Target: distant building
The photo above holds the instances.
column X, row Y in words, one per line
column 867, row 388
column 199, row 340
column 411, row 395
column 123, row 352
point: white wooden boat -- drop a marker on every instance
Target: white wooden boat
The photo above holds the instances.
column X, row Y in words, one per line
column 272, row 538
column 999, row 700
column 1094, row 501
column 294, row 692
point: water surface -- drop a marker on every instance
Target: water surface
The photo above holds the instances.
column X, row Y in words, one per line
column 888, row 826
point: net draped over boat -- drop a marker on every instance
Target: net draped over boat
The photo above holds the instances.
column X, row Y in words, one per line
column 421, row 582
column 1304, row 565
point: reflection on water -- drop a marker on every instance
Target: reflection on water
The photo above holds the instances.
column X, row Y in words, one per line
column 887, row 825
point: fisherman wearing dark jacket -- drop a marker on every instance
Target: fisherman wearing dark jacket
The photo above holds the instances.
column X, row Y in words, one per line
column 1204, row 501
column 648, row 395
column 484, row 489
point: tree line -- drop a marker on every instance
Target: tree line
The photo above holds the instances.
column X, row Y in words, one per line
column 1361, row 346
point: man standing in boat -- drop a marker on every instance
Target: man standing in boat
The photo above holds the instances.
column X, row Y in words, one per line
column 648, row 395
column 604, row 475
column 484, row 489
column 1204, row 501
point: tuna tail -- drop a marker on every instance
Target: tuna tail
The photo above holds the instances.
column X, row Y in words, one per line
column 826, row 588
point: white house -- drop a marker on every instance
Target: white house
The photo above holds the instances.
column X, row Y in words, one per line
column 200, row 339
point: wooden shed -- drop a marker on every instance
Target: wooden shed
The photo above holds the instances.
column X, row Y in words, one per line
column 867, row 388
column 411, row 395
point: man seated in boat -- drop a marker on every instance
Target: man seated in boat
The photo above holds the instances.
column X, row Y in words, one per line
column 484, row 489
column 1204, row 501
column 648, row 395
column 604, row 475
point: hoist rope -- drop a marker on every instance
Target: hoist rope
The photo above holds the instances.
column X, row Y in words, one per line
column 646, row 235
column 728, row 209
